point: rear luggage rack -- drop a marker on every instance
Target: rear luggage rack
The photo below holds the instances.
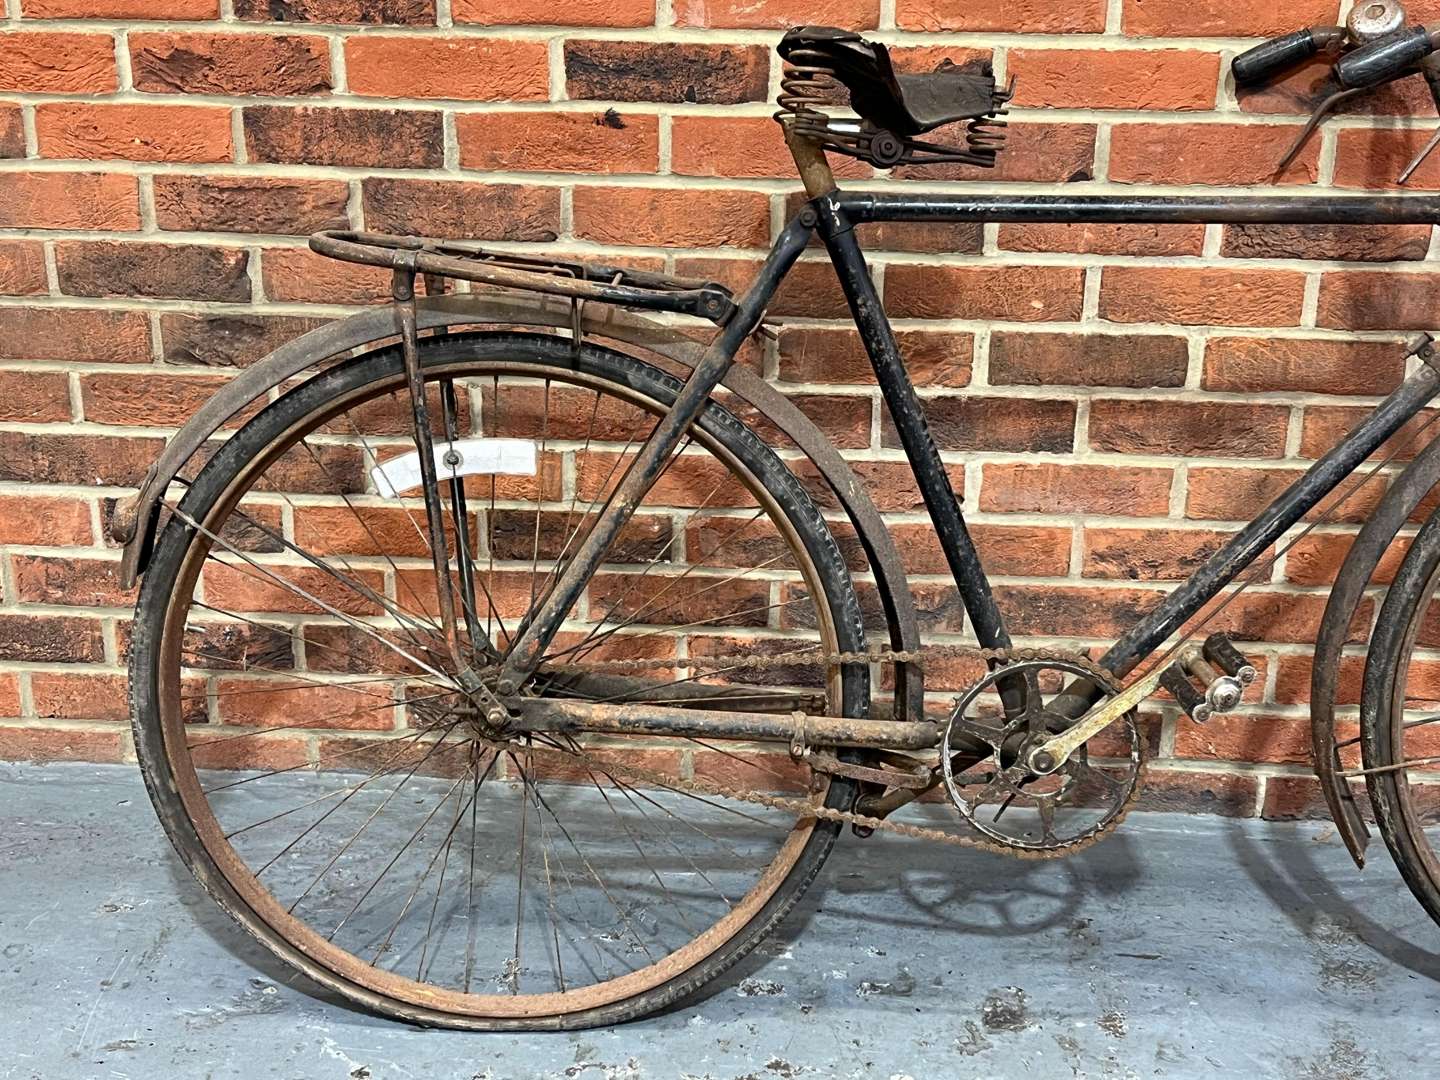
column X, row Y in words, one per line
column 414, row 255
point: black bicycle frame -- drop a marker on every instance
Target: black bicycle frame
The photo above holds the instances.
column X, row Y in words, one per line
column 834, row 217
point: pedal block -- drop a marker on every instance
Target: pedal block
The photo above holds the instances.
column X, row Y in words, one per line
column 1209, row 680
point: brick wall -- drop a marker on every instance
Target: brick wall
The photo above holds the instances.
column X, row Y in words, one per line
column 1114, row 400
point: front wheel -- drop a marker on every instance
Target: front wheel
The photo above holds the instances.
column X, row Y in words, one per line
column 302, row 732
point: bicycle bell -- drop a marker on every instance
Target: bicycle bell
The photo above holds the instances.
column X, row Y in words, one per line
column 1374, row 19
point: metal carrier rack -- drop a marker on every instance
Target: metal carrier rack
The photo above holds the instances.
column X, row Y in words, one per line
column 409, row 256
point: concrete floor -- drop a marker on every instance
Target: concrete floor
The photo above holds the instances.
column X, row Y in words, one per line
column 1179, row 948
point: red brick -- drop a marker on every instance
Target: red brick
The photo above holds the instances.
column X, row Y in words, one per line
column 1375, row 158
column 1293, row 676
column 276, row 703
column 146, row 400
column 112, row 268
column 1357, row 300
column 58, row 744
column 740, row 146
column 74, row 334
column 9, row 695
column 266, row 65
column 76, row 696
column 1352, row 243
column 1131, row 360
column 12, row 132
column 22, row 268
column 69, row 581
column 1201, row 297
column 248, row 589
column 1172, row 79
column 1150, row 240
column 1219, row 18
column 250, row 204
column 1070, row 611
column 1035, row 153
column 668, row 72
column 1317, row 559
column 120, row 9
column 778, row 14
column 1148, row 554
column 358, row 12
column 1259, row 615
column 996, row 425
column 1299, row 91
column 546, row 13
column 837, row 356
column 1324, row 426
column 308, row 135
column 298, row 274
column 1186, row 429
column 67, row 200
column 44, row 519
column 891, row 484
column 35, row 397
column 134, row 132
column 1013, row 293
column 1075, row 489
column 1265, row 365
column 470, row 69
column 1241, row 494
column 228, row 340
column 1020, row 16
column 51, row 639
column 457, row 209
column 1226, row 794
column 1007, row 550
column 57, row 63
column 596, row 142
column 1226, row 154
column 275, row 753
column 675, row 217
column 1299, row 798
column 76, row 459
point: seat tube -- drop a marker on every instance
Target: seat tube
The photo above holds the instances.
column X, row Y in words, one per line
column 914, row 432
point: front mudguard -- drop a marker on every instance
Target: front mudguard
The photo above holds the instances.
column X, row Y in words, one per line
column 336, row 341
column 1355, row 576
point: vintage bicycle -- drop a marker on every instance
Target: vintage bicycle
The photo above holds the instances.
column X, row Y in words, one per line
column 514, row 657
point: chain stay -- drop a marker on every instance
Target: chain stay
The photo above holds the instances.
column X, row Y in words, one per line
column 804, row 808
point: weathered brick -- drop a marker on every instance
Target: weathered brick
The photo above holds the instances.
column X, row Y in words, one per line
column 298, row 274
column 1201, row 296
column 357, row 12
column 1075, row 489
column 472, row 69
column 1150, row 240
column 265, row 65
column 310, row 135
column 1219, row 18
column 447, row 208
column 1226, row 794
column 998, row 425
column 1325, row 425
column 79, row 696
column 1173, row 79
column 1264, row 365
column 1317, row 559
column 1148, row 554
column 58, row 744
column 1185, row 429
column 132, row 132
column 1239, row 494
column 1014, row 293
column 740, row 146
column 778, row 14
column 46, row 639
column 74, row 334
column 1355, row 243
column 1375, row 158
column 41, row 579
column 44, row 519
column 600, row 142
column 1299, row 91
column 227, row 340
column 1359, row 300
column 34, row 397
column 68, row 200
column 1035, row 153
column 1131, row 360
column 12, row 132
column 9, row 695
column 666, row 72
column 188, row 271
column 676, row 217
column 250, row 204
column 838, row 356
column 1227, row 154
column 120, row 9
column 1017, row 16
column 546, row 13
column 33, row 62
column 22, row 268
column 145, row 400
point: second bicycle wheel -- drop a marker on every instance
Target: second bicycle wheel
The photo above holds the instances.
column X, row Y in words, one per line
column 300, row 724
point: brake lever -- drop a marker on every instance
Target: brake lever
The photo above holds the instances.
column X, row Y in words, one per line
column 1430, row 68
column 1317, row 118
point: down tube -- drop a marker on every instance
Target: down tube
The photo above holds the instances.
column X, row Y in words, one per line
column 914, row 433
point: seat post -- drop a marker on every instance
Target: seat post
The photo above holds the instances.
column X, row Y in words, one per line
column 811, row 162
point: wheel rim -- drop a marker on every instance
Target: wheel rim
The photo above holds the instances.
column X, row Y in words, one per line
column 1415, row 730
column 447, row 816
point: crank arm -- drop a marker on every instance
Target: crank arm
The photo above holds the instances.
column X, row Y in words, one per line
column 1052, row 754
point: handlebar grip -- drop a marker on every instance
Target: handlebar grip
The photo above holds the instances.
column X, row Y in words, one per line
column 1386, row 59
column 1269, row 58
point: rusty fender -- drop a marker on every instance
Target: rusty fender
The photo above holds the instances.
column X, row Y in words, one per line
column 136, row 527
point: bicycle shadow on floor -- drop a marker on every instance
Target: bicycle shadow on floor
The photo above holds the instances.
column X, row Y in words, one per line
column 1304, row 891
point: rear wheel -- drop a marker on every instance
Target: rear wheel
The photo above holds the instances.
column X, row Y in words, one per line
column 299, row 721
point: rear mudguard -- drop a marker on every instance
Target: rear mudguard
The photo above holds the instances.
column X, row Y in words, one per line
column 1354, row 578
column 136, row 528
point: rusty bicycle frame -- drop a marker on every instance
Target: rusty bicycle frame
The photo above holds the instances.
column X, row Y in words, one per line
column 832, row 215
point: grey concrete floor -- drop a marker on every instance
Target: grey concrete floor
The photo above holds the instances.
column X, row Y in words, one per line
column 1179, row 948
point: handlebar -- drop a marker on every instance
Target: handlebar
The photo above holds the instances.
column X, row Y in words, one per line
column 1268, row 59
column 1387, row 59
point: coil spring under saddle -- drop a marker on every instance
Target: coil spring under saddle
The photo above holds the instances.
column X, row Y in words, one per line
column 809, row 86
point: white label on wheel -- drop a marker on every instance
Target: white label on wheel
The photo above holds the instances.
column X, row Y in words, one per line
column 464, row 457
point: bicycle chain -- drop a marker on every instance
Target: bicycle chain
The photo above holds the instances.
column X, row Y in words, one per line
column 803, row 808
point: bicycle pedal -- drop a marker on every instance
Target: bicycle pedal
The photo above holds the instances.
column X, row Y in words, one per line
column 1210, row 680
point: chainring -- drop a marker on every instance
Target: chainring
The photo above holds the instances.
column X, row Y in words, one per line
column 995, row 725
